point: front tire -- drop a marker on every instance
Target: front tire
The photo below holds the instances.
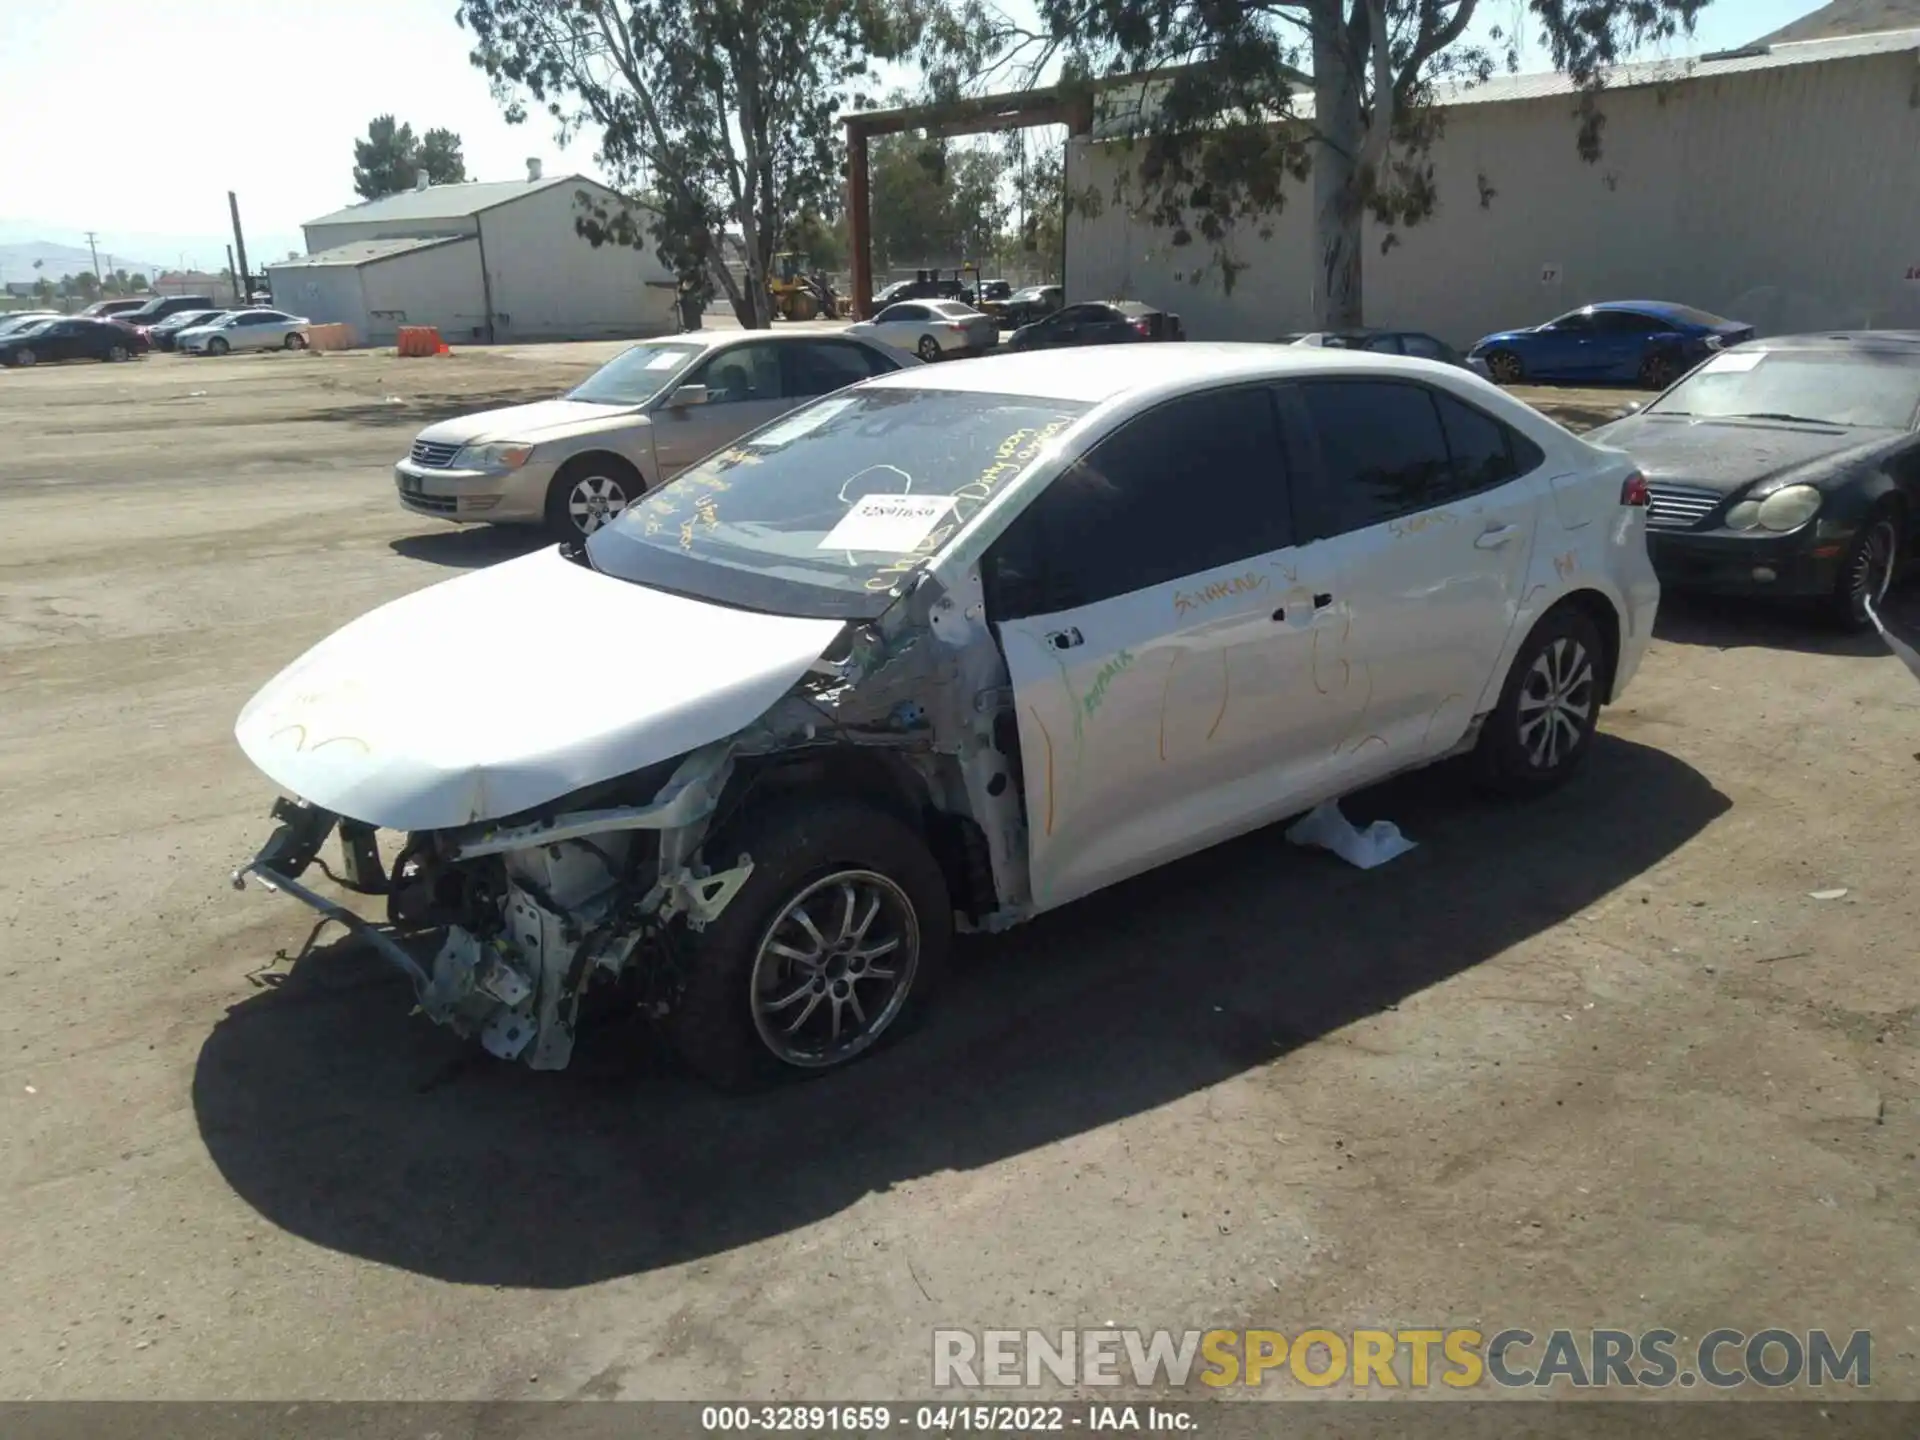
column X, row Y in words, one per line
column 836, row 942
column 1542, row 728
column 588, row 493
column 1868, row 570
column 25, row 357
column 1506, row 367
column 217, row 346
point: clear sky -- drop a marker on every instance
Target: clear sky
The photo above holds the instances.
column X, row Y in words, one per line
column 266, row 97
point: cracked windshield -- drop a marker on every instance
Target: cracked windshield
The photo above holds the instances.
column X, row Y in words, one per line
column 849, row 495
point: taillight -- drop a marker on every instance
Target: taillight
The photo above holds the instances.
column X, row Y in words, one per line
column 1633, row 491
column 1143, row 327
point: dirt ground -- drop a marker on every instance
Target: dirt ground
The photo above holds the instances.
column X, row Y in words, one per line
column 1600, row 1061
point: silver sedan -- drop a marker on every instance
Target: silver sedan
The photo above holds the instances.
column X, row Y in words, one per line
column 245, row 330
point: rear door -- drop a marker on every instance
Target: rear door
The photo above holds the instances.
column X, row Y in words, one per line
column 65, row 341
column 820, row 367
column 1621, row 340
column 1159, row 623
column 1431, row 510
column 745, row 389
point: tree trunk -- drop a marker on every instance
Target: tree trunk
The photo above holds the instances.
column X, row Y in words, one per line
column 1338, row 295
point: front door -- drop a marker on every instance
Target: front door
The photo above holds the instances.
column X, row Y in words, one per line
column 1159, row 625
column 1431, row 508
column 1564, row 350
column 745, row 390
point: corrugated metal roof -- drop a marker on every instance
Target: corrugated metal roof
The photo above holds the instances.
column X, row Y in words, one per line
column 1125, row 111
column 363, row 252
column 441, row 202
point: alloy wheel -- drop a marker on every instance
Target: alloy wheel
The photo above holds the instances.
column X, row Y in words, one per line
column 834, row 968
column 118, row 352
column 1505, row 367
column 24, row 357
column 1872, row 571
column 594, row 501
column 1556, row 703
column 929, row 349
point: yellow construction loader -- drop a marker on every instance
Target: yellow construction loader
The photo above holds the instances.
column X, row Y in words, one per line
column 797, row 295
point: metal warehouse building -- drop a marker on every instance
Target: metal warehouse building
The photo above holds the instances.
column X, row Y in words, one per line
column 495, row 261
column 1778, row 184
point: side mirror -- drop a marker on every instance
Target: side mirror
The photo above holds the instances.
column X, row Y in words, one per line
column 687, row 396
column 1632, row 407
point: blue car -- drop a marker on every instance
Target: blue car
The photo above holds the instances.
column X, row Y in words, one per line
column 1646, row 342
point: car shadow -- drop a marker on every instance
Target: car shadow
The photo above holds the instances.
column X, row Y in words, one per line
column 343, row 1121
column 471, row 547
column 1724, row 622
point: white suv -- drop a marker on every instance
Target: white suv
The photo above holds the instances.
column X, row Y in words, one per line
column 952, row 647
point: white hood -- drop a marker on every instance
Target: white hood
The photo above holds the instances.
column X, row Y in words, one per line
column 500, row 690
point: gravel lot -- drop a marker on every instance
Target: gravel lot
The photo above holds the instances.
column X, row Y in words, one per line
column 1598, row 1061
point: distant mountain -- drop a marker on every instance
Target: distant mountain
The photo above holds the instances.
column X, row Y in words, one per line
column 16, row 261
column 1848, row 17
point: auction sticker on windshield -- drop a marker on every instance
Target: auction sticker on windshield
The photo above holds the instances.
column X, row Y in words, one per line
column 891, row 523
column 1734, row 361
column 805, row 423
column 667, row 359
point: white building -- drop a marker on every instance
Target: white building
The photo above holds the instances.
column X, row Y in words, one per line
column 491, row 261
column 1779, row 184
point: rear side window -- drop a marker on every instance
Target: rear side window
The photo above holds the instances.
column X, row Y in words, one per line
column 822, row 367
column 1382, row 452
column 1481, row 448
column 1625, row 322
column 1193, row 485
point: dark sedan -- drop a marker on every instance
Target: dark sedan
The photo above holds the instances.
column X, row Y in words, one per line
column 1790, row 467
column 1416, row 343
column 163, row 333
column 1023, row 307
column 1646, row 342
column 1106, row 322
column 72, row 338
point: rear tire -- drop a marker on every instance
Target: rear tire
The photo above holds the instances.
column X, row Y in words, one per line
column 1658, row 371
column 117, row 353
column 928, row 349
column 217, row 346
column 589, row 492
column 730, row 1024
column 1542, row 728
column 296, row 341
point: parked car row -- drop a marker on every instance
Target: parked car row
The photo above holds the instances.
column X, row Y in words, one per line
column 183, row 323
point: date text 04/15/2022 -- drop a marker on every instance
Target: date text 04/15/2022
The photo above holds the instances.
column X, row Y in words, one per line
column 1088, row 1419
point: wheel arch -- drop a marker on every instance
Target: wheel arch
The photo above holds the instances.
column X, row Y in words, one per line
column 882, row 779
column 1604, row 613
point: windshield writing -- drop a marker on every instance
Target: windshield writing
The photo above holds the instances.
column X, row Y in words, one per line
column 853, row 493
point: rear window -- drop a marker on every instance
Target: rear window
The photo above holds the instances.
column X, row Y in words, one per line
column 830, row 510
column 1691, row 316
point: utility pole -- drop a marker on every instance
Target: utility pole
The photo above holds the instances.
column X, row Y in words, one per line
column 94, row 250
column 240, row 244
column 234, row 276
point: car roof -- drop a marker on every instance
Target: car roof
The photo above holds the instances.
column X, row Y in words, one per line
column 1889, row 342
column 1103, row 372
column 1653, row 307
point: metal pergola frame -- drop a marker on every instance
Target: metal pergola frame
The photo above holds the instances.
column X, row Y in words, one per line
column 1068, row 105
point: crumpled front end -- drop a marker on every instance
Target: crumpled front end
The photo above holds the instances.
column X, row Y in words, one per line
column 527, row 915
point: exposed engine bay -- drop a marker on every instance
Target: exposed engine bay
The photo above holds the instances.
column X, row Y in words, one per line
column 502, row 926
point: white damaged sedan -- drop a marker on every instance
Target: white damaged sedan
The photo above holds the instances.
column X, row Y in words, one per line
column 947, row 649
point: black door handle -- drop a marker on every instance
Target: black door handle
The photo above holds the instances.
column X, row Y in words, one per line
column 1320, row 602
